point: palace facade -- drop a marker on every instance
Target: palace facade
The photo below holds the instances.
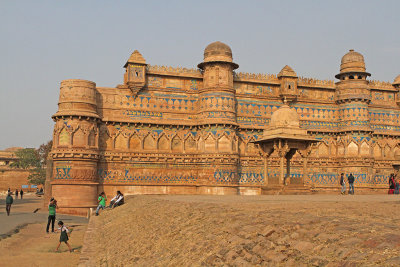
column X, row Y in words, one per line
column 172, row 130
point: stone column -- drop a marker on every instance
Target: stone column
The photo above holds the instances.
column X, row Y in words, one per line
column 282, row 150
column 304, row 153
column 265, row 154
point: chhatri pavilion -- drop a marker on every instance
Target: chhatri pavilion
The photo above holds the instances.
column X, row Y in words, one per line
column 214, row 130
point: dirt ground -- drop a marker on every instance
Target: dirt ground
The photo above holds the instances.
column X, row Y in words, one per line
column 315, row 230
column 24, row 242
column 32, row 247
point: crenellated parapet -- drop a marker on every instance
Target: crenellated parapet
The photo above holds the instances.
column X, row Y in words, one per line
column 174, row 71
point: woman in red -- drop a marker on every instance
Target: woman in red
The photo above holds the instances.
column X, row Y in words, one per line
column 392, row 184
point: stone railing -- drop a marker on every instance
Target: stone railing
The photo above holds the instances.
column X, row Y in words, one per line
column 255, row 76
column 302, row 81
column 175, row 70
column 380, row 84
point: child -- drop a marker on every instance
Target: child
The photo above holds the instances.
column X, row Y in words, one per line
column 102, row 202
column 63, row 235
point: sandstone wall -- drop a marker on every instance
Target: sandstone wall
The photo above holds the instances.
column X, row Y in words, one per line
column 13, row 178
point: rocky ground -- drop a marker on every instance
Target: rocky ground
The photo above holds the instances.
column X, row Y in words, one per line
column 318, row 230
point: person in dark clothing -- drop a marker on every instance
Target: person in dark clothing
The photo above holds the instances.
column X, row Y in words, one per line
column 343, row 183
column 391, row 184
column 9, row 201
column 52, row 214
column 16, row 194
column 397, row 185
column 21, row 193
column 350, row 179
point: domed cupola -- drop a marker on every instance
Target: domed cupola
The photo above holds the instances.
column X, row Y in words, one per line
column 285, row 117
column 352, row 66
column 353, row 93
column 218, row 52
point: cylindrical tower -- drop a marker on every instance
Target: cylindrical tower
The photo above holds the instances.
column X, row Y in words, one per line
column 217, row 115
column 353, row 94
column 75, row 147
column 217, row 98
column 355, row 133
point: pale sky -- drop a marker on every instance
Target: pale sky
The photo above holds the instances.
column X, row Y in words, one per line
column 44, row 42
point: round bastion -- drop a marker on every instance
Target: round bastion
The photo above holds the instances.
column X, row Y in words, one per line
column 78, row 98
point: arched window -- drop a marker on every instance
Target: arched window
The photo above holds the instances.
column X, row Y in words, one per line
column 351, row 77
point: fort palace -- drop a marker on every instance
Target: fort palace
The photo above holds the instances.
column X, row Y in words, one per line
column 215, row 130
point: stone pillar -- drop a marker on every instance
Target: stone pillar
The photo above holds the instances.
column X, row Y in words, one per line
column 282, row 148
column 304, row 153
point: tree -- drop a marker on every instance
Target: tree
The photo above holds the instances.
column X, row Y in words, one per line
column 37, row 176
column 35, row 160
column 27, row 158
column 43, row 152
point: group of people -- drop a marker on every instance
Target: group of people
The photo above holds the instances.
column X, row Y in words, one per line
column 64, row 231
column 20, row 192
column 394, row 184
column 118, row 200
column 10, row 199
column 350, row 181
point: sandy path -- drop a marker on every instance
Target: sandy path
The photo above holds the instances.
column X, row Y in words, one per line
column 243, row 231
column 32, row 247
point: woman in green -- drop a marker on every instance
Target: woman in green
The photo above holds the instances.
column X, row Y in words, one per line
column 64, row 235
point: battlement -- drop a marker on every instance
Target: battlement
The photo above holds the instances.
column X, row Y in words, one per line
column 174, row 71
column 380, row 85
column 315, row 82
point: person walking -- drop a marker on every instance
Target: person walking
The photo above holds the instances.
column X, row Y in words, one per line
column 397, row 185
column 102, row 203
column 63, row 235
column 350, row 179
column 52, row 215
column 392, row 184
column 16, row 194
column 21, row 193
column 9, row 201
column 343, row 183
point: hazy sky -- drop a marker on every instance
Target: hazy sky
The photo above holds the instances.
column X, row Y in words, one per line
column 44, row 42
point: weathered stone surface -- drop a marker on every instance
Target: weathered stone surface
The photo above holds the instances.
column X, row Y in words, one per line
column 217, row 131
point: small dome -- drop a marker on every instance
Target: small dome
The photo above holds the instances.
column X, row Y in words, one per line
column 352, row 62
column 397, row 80
column 217, row 51
column 285, row 117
